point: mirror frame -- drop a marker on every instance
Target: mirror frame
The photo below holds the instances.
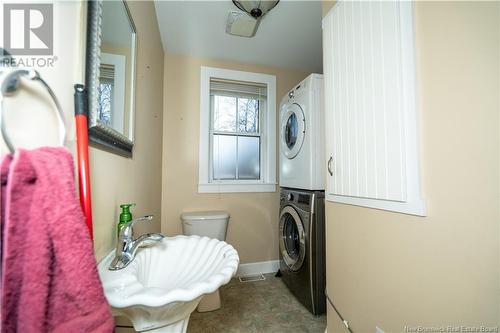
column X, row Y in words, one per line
column 101, row 135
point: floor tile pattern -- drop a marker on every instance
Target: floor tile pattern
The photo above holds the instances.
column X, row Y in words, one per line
column 257, row 307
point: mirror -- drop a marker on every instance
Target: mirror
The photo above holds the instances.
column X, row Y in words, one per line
column 110, row 75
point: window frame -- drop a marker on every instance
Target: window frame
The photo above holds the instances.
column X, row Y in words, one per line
column 267, row 129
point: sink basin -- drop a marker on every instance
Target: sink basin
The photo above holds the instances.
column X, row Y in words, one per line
column 164, row 283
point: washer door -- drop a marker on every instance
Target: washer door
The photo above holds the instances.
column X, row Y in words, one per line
column 293, row 126
column 292, row 238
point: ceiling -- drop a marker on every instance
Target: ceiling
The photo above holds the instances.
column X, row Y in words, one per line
column 289, row 35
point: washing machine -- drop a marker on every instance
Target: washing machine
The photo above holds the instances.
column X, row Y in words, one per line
column 302, row 246
column 302, row 136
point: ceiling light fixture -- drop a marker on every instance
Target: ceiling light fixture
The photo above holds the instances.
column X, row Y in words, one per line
column 241, row 25
column 256, row 9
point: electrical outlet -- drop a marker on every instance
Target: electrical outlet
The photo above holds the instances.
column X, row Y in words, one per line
column 378, row 330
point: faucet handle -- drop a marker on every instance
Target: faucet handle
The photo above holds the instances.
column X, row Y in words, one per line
column 127, row 231
column 143, row 218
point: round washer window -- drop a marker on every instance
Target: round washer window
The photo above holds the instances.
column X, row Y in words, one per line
column 291, row 131
column 292, row 239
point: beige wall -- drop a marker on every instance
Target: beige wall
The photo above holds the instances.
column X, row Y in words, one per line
column 115, row 179
column 253, row 228
column 392, row 270
column 326, row 5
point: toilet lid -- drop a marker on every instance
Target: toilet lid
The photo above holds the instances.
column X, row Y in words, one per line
column 205, row 215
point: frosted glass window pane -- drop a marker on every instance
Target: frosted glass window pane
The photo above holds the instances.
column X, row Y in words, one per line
column 248, row 115
column 248, row 157
column 224, row 113
column 105, row 91
column 224, row 160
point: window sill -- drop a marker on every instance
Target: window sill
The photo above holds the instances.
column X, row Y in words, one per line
column 236, row 188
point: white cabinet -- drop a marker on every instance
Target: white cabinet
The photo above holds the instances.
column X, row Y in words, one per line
column 371, row 122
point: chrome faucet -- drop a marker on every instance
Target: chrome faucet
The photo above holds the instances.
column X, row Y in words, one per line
column 127, row 246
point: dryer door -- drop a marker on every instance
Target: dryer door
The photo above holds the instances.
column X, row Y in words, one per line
column 292, row 238
column 293, row 129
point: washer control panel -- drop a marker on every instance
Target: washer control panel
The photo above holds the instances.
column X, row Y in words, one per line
column 297, row 91
column 296, row 197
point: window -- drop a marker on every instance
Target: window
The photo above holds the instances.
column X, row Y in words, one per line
column 234, row 130
column 237, row 132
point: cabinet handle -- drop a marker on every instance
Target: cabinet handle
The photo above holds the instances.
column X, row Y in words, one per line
column 330, row 166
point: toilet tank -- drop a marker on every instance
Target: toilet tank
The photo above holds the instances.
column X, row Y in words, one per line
column 212, row 224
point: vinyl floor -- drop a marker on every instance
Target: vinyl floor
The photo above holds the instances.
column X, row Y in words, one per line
column 257, row 307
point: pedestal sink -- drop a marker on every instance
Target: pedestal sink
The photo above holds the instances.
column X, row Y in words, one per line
column 164, row 283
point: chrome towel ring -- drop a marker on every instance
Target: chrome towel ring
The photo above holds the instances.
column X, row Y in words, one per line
column 10, row 84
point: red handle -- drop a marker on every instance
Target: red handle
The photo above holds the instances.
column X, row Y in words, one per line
column 82, row 149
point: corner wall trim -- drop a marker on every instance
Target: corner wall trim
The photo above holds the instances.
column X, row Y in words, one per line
column 263, row 267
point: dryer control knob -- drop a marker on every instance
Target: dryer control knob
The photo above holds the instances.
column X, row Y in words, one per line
column 289, row 197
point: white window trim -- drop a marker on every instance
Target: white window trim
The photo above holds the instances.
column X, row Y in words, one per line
column 268, row 144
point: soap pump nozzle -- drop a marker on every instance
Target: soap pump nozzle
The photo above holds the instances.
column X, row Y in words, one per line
column 125, row 216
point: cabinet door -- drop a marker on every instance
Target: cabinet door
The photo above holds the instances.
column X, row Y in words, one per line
column 371, row 128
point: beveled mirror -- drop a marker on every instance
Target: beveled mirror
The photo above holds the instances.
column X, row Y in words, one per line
column 110, row 75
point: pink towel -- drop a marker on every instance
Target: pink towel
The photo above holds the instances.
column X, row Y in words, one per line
column 49, row 274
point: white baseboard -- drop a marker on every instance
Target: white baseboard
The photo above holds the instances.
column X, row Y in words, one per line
column 262, row 267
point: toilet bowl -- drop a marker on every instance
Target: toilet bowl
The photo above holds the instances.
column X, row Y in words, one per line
column 212, row 224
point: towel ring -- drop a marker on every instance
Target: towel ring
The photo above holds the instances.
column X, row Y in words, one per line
column 10, row 85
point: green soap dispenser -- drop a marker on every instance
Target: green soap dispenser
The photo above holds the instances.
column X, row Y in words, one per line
column 125, row 216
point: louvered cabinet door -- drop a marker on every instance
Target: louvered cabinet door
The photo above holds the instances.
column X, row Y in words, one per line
column 371, row 128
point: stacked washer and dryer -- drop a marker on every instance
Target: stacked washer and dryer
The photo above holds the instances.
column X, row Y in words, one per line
column 302, row 183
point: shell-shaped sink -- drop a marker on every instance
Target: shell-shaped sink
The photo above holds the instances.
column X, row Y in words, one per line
column 165, row 282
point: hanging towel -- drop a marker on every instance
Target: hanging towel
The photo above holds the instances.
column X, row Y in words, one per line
column 4, row 171
column 49, row 277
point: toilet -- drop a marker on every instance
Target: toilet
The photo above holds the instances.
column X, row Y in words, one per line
column 211, row 224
